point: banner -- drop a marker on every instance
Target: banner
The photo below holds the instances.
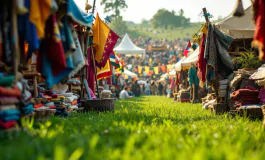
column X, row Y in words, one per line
column 146, row 70
column 140, row 69
column 156, row 70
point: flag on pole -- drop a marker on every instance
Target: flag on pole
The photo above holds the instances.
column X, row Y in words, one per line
column 186, row 51
column 114, row 61
column 105, row 40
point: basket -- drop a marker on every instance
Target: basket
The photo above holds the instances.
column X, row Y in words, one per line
column 101, row 105
column 250, row 112
column 44, row 113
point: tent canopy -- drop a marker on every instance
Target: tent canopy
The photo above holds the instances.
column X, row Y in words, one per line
column 128, row 73
column 177, row 66
column 236, row 27
column 127, row 47
column 192, row 59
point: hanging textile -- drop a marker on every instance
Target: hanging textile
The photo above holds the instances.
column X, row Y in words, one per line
column 259, row 36
column 105, row 41
column 104, row 72
column 202, row 61
column 39, row 14
column 146, row 70
column 54, row 67
column 156, row 70
column 76, row 15
column 140, row 69
column 90, row 68
column 27, row 32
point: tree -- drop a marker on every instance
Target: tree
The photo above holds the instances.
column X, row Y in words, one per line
column 119, row 26
column 114, row 6
column 164, row 18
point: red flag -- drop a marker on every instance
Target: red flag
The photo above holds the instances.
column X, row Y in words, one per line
column 186, row 52
column 189, row 44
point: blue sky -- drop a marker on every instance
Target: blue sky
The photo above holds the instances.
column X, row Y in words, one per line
column 145, row 9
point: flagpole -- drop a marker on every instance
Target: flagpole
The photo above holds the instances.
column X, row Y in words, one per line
column 92, row 52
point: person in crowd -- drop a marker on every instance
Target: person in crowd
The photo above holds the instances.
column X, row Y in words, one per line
column 136, row 89
column 143, row 89
column 124, row 93
column 160, row 88
column 148, row 88
column 153, row 88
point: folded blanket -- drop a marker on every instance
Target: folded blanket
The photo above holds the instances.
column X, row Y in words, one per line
column 49, row 104
column 241, row 103
column 6, row 80
column 74, row 102
column 244, row 92
column 9, row 118
column 70, row 94
column 250, row 106
column 9, row 112
column 7, row 125
column 8, row 107
column 38, row 105
column 73, row 107
column 8, row 100
column 12, row 92
column 71, row 99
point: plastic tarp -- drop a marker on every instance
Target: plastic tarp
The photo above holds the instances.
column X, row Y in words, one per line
column 238, row 27
column 192, row 59
column 128, row 48
column 177, row 66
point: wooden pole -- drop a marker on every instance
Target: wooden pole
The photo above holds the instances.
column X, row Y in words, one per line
column 205, row 15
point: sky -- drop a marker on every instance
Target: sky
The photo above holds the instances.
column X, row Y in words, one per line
column 145, row 9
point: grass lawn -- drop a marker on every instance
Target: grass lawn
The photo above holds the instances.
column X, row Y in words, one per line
column 142, row 128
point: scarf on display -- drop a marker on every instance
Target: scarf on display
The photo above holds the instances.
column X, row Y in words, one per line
column 216, row 53
column 259, row 35
column 202, row 61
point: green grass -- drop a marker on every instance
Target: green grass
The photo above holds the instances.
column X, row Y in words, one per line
column 136, row 31
column 142, row 128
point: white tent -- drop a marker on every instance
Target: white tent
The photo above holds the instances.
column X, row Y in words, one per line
column 128, row 73
column 192, row 59
column 177, row 66
column 172, row 73
column 238, row 27
column 128, row 48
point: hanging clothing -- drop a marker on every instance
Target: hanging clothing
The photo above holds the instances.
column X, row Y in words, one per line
column 90, row 68
column 27, row 32
column 39, row 14
column 193, row 78
column 54, row 67
column 202, row 61
column 259, row 36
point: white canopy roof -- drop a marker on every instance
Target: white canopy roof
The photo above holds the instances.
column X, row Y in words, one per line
column 127, row 47
column 172, row 73
column 192, row 59
column 238, row 27
column 177, row 66
column 128, row 73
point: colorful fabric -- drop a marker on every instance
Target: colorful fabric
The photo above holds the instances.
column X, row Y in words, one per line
column 78, row 16
column 186, row 51
column 7, row 125
column 202, row 61
column 39, row 15
column 90, row 76
column 105, row 40
column 12, row 92
column 9, row 118
column 28, row 32
column 9, row 112
column 54, row 67
column 104, row 72
column 259, row 35
column 193, row 78
column 114, row 61
column 8, row 107
column 6, row 80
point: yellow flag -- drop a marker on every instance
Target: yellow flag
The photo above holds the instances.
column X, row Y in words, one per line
column 146, row 70
column 104, row 72
column 140, row 69
column 156, row 70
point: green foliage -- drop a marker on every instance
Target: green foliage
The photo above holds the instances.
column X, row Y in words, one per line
column 247, row 59
column 164, row 18
column 119, row 26
column 140, row 128
column 114, row 6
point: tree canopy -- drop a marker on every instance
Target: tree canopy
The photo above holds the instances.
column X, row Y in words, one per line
column 114, row 6
column 164, row 18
